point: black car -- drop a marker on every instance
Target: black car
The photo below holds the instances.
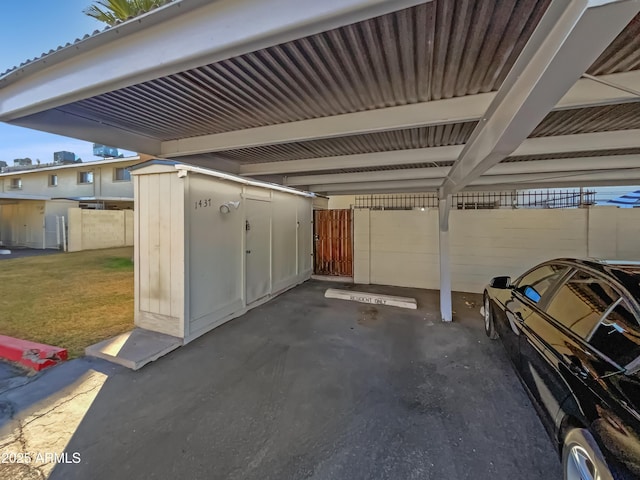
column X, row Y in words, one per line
column 572, row 330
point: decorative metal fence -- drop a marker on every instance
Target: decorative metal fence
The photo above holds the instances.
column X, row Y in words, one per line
column 481, row 200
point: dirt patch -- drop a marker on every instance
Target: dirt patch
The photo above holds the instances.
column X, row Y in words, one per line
column 368, row 316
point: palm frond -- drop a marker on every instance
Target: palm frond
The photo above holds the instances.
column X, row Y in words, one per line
column 114, row 11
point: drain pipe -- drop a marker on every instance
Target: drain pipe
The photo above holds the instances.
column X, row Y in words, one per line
column 444, row 207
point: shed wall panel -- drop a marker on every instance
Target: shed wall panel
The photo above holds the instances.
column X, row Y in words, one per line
column 144, row 205
column 164, row 244
column 153, row 242
column 284, row 212
column 215, row 248
column 305, row 237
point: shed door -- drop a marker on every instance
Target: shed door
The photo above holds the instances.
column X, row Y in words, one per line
column 258, row 249
column 333, row 244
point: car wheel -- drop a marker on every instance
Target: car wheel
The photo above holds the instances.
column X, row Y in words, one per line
column 489, row 327
column 582, row 458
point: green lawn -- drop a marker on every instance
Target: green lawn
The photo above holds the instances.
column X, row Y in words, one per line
column 70, row 300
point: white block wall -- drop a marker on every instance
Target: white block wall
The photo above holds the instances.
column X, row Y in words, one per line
column 94, row 229
column 401, row 247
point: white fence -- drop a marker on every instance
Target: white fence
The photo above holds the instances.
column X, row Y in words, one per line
column 400, row 247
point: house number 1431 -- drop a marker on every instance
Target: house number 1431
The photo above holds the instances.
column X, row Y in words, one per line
column 203, row 203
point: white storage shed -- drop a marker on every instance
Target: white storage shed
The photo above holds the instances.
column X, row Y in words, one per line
column 209, row 246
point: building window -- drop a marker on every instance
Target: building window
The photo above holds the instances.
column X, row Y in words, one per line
column 121, row 175
column 53, row 180
column 85, row 177
column 16, row 184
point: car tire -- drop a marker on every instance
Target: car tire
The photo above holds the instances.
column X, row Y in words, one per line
column 489, row 326
column 582, row 458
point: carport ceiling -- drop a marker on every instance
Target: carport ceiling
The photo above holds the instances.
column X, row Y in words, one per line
column 338, row 97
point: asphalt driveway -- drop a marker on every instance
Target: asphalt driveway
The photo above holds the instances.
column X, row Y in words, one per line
column 307, row 387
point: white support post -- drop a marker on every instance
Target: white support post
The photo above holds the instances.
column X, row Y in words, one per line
column 58, row 231
column 446, row 311
column 64, row 235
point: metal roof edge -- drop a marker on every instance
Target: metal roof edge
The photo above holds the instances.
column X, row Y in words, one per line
column 98, row 38
column 95, row 199
column 181, row 167
column 17, row 196
column 154, row 161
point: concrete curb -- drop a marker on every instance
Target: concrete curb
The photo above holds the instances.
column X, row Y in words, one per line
column 31, row 354
column 374, row 298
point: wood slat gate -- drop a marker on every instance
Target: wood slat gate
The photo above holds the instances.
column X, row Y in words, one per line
column 333, row 243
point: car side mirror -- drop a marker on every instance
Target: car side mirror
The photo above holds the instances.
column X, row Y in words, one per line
column 500, row 282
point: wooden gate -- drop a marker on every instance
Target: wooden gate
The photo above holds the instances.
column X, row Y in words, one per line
column 333, row 244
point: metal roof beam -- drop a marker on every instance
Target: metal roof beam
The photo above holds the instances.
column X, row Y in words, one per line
column 584, row 93
column 497, row 182
column 451, row 110
column 603, row 163
column 178, row 37
column 568, row 39
column 61, row 123
column 532, row 146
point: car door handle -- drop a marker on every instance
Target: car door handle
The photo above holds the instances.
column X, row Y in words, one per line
column 578, row 371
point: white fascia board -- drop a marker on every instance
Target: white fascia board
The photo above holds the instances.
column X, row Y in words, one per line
column 565, row 43
column 69, row 125
column 584, row 93
column 532, row 146
column 192, row 33
column 538, row 167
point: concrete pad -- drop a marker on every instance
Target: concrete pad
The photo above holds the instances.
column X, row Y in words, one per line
column 134, row 349
column 332, row 278
column 374, row 298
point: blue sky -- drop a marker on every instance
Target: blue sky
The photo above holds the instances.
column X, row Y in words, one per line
column 27, row 29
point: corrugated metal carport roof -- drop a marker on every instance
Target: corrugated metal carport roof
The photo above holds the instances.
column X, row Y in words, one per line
column 445, row 57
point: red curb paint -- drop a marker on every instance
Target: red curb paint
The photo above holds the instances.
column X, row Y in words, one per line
column 31, row 354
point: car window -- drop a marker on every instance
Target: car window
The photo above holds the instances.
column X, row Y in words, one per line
column 581, row 301
column 618, row 335
column 534, row 284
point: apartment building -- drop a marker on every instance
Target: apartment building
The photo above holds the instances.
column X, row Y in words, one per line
column 33, row 202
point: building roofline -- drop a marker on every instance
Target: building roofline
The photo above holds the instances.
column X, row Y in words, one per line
column 73, row 165
column 17, row 196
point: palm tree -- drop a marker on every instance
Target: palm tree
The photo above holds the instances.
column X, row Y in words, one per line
column 115, row 11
